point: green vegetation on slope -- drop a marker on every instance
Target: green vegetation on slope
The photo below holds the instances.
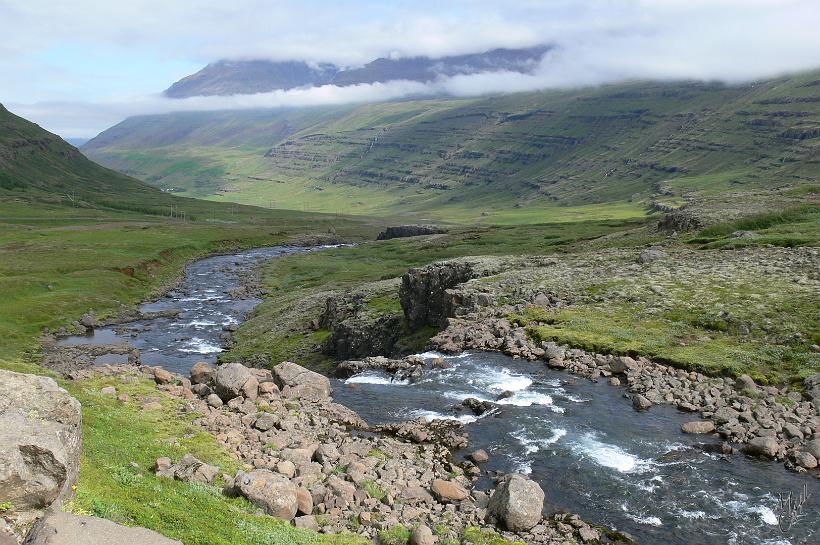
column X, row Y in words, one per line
column 491, row 159
column 298, row 285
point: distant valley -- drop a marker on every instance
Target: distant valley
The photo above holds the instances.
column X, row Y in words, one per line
column 610, row 151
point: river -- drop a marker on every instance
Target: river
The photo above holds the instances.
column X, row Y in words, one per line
column 582, row 441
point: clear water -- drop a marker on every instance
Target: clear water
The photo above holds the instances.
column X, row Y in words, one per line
column 594, row 455
column 205, row 307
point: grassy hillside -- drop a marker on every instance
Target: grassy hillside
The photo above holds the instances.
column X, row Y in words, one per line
column 551, row 154
column 76, row 236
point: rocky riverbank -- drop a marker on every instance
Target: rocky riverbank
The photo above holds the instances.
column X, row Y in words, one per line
column 478, row 300
column 318, row 464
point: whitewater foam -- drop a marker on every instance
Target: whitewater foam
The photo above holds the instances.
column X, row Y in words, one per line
column 200, row 346
column 372, row 377
column 607, row 455
column 433, row 415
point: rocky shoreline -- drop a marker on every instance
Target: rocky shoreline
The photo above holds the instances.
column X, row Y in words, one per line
column 340, row 474
column 777, row 423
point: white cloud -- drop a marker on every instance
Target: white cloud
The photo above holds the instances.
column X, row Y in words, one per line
column 598, row 41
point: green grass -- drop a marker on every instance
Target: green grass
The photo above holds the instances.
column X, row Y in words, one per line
column 796, row 226
column 397, row 535
column 118, row 435
column 279, row 329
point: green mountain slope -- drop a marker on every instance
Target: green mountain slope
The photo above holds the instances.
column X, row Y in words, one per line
column 34, row 162
column 531, row 156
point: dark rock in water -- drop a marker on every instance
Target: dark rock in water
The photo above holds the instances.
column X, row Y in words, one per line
column 762, row 446
column 447, row 433
column 640, row 403
column 404, row 231
column 506, row 394
column 477, row 406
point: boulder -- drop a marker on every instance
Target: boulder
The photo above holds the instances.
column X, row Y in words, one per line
column 813, row 447
column 517, row 503
column 422, row 535
column 745, row 383
column 297, row 382
column 812, row 385
column 762, row 446
column 698, row 426
column 479, row 456
column 161, row 376
column 447, row 491
column 233, row 380
column 640, row 403
column 60, row 528
column 40, row 441
column 805, row 460
column 191, row 470
column 201, row 373
column 273, row 493
column 650, row 254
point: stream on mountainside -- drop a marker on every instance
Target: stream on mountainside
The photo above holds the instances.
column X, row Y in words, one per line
column 582, row 441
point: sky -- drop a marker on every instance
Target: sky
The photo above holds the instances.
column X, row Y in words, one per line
column 79, row 67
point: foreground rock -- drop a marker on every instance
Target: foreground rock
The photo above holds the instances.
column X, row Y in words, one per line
column 66, row 529
column 311, row 462
column 517, row 503
column 40, row 444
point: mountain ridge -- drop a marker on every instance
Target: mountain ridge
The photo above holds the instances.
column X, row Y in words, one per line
column 229, row 77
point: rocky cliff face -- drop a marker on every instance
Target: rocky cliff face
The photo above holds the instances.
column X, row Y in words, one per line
column 40, row 444
column 427, row 294
column 356, row 328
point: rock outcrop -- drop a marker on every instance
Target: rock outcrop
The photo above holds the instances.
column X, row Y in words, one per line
column 60, row 528
column 424, row 291
column 404, row 231
column 40, row 443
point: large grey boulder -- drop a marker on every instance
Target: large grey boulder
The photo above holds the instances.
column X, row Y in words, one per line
column 270, row 491
column 60, row 528
column 40, row 441
column 762, row 446
column 517, row 503
column 297, row 382
column 233, row 380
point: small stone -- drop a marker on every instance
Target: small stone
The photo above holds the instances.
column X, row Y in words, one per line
column 307, row 522
column 109, row 391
